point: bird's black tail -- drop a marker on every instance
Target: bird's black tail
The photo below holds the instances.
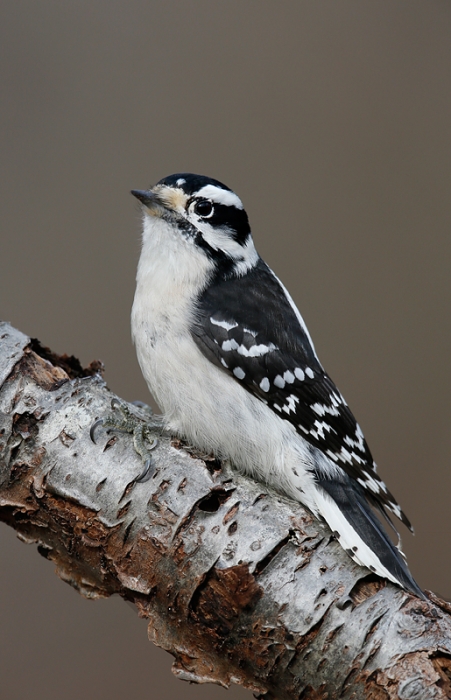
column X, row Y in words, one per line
column 375, row 550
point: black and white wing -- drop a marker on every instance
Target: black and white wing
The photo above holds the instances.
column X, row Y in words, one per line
column 250, row 327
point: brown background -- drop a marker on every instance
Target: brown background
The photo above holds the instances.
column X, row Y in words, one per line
column 332, row 120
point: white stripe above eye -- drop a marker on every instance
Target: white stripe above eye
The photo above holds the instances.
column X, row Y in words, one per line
column 220, row 196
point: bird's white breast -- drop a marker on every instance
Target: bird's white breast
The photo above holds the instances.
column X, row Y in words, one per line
column 200, row 401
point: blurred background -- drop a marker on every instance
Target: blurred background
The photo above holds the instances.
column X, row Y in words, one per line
column 332, row 121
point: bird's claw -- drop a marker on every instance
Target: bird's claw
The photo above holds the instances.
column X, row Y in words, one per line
column 93, row 429
column 147, row 472
column 107, row 422
column 143, row 440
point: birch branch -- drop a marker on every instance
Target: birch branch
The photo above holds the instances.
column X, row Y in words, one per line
column 238, row 583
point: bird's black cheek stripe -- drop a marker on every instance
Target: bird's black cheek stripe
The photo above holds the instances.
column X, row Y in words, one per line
column 234, row 219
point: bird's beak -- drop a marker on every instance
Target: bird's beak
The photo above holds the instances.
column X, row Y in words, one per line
column 149, row 199
column 162, row 201
column 146, row 197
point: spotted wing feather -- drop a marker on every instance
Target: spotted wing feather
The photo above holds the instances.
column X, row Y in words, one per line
column 264, row 345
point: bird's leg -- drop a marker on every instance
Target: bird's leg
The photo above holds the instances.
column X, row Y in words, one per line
column 124, row 421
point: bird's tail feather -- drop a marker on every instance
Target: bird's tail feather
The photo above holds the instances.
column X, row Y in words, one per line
column 347, row 512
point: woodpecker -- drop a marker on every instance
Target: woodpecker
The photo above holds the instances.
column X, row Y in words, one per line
column 229, row 360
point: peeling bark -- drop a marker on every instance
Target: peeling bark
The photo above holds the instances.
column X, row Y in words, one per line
column 237, row 582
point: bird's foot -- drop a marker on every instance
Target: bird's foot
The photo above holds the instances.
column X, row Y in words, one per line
column 124, row 421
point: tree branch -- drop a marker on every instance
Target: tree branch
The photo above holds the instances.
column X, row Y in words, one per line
column 238, row 583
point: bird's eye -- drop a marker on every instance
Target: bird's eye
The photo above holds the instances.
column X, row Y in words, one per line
column 203, row 208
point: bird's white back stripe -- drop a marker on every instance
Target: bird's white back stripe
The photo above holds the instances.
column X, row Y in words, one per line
column 298, row 315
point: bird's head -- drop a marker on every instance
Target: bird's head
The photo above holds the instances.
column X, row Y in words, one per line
column 205, row 213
